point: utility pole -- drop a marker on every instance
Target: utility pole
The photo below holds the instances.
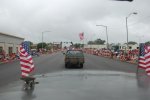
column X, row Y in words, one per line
column 106, row 34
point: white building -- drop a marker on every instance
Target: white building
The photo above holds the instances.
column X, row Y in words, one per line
column 9, row 43
column 86, row 46
column 130, row 46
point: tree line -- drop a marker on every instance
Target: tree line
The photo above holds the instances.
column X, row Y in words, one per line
column 79, row 45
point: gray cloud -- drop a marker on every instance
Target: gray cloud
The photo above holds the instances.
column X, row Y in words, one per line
column 67, row 18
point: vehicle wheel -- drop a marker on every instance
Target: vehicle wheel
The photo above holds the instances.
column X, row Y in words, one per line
column 66, row 65
column 25, row 86
column 32, row 85
column 81, row 65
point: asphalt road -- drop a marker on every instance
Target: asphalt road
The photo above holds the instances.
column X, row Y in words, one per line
column 10, row 72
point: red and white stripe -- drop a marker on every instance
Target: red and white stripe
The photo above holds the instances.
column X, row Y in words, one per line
column 81, row 36
column 26, row 62
column 141, row 62
column 147, row 60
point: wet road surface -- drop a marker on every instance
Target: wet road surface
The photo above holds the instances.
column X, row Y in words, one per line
column 10, row 72
column 81, row 85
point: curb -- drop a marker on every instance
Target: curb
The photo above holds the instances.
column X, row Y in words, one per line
column 9, row 61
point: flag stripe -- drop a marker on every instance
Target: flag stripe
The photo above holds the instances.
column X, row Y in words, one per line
column 148, row 70
column 142, row 62
column 25, row 74
column 142, row 67
column 26, row 64
column 26, row 58
column 25, row 61
column 144, row 57
column 81, row 36
column 147, row 60
column 25, row 69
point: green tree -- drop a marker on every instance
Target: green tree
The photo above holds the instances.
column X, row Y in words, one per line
column 115, row 47
column 132, row 42
column 90, row 42
column 31, row 43
column 147, row 43
column 49, row 46
column 39, row 45
column 97, row 41
column 78, row 45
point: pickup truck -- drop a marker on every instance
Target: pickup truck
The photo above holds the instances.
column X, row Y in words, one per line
column 74, row 57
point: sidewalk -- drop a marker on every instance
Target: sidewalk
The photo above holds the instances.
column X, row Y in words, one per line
column 131, row 62
column 8, row 61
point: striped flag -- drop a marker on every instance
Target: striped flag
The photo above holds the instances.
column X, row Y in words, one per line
column 81, row 36
column 147, row 59
column 141, row 59
column 144, row 58
column 26, row 61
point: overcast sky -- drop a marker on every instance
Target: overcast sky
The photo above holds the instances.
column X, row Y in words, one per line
column 67, row 18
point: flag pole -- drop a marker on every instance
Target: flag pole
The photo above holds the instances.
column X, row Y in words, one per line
column 83, row 39
column 83, row 43
column 80, row 43
column 137, row 70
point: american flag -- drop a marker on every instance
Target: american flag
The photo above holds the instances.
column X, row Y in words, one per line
column 147, row 59
column 26, row 61
column 141, row 63
column 144, row 58
column 81, row 36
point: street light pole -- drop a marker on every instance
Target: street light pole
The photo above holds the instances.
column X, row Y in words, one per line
column 107, row 37
column 106, row 33
column 127, row 25
column 42, row 37
column 42, row 40
column 127, row 30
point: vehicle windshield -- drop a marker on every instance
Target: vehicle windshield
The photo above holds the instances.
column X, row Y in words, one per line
column 89, row 39
column 74, row 52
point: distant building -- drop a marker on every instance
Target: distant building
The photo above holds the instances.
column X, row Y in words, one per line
column 86, row 46
column 121, row 46
column 9, row 43
column 130, row 46
column 34, row 46
column 56, row 45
